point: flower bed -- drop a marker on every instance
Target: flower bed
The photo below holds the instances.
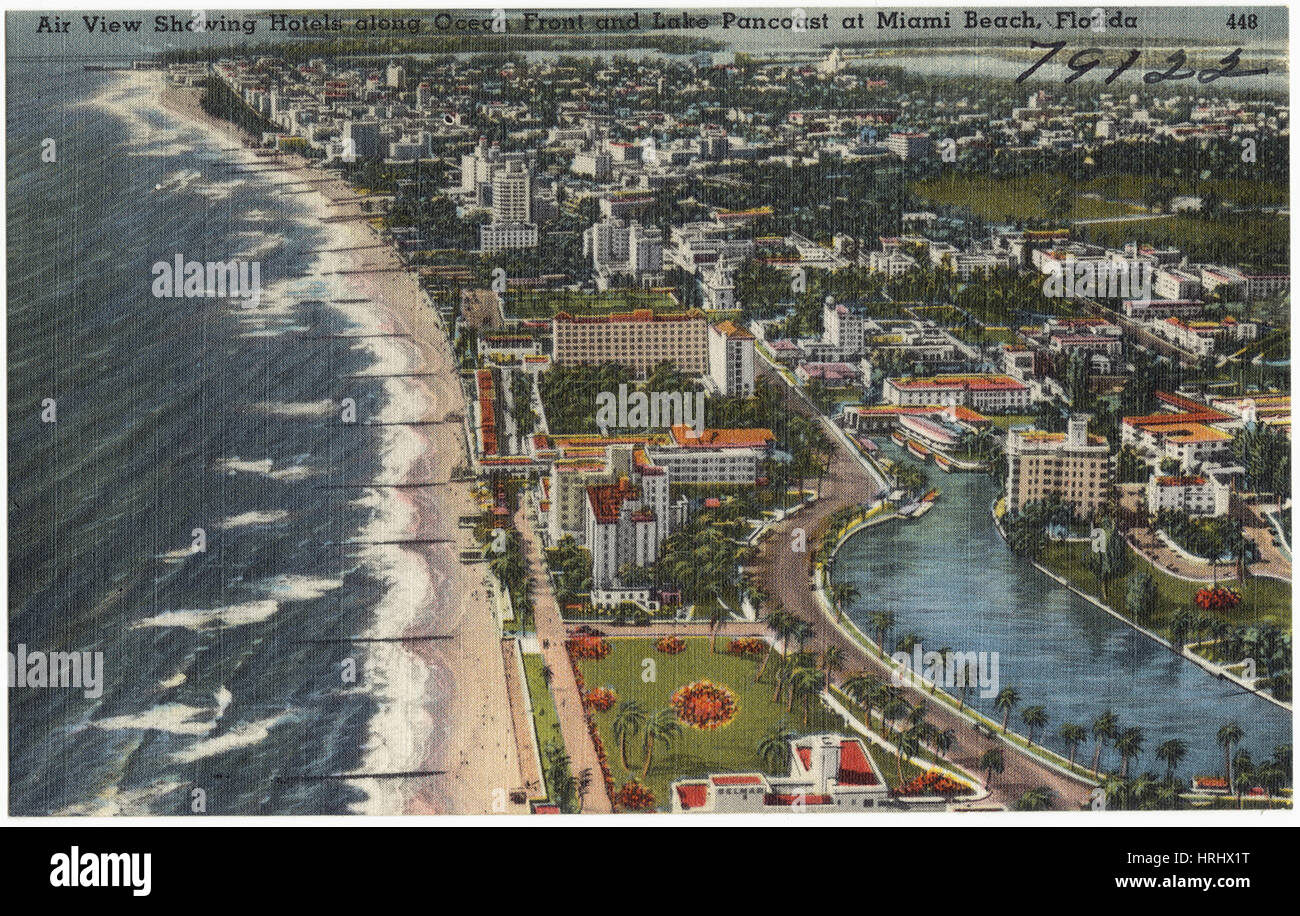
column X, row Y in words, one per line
column 747, row 645
column 704, row 704
column 588, row 647
column 932, row 782
column 635, row 797
column 601, row 757
column 1217, row 599
column 602, row 698
column 671, row 645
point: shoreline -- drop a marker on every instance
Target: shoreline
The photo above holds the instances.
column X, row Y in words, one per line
column 1204, row 664
column 443, row 705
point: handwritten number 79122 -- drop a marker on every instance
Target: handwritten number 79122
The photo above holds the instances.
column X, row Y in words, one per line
column 1083, row 62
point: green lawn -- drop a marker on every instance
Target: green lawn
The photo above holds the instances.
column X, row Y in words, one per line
column 729, row 749
column 1263, row 600
column 545, row 720
column 1258, row 240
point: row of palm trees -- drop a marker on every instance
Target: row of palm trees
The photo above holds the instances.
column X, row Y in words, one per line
column 871, row 693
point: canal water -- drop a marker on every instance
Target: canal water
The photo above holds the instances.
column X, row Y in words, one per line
column 950, row 578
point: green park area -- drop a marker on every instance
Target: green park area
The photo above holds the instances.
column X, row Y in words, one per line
column 1011, row 200
column 635, row 669
column 1264, row 601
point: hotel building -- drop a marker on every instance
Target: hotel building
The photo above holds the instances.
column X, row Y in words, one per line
column 984, row 393
column 639, row 340
column 731, row 358
column 1071, row 466
column 716, row 456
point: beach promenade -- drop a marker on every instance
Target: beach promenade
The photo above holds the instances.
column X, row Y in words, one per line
column 551, row 635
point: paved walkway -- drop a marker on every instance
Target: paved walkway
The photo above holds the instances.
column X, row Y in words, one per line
column 524, row 733
column 564, row 688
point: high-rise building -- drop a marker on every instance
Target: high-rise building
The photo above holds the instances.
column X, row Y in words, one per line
column 731, row 358
column 639, row 340
column 908, row 145
column 1071, row 466
column 361, row 139
column 512, row 192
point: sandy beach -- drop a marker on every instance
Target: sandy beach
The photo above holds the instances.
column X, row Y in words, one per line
column 443, row 703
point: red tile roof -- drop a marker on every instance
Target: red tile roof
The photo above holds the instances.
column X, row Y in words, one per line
column 757, row 437
column 737, row 780
column 855, row 768
column 692, row 795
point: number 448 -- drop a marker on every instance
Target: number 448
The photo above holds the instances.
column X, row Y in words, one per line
column 1243, row 21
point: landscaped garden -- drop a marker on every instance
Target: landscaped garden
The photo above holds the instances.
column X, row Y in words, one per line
column 706, row 710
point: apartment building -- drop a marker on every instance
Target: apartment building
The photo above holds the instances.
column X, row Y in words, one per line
column 731, row 358
column 638, row 339
column 1072, row 466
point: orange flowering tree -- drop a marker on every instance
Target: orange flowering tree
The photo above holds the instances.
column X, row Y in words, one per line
column 704, row 704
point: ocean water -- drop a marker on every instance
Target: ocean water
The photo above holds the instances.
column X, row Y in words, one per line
column 172, row 415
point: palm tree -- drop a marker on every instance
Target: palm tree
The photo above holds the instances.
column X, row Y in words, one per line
column 629, row 719
column 662, row 727
column 1142, row 790
column 1073, row 735
column 1229, row 736
column 807, row 682
column 1169, row 796
column 1117, row 792
column 832, row 661
column 782, row 673
column 1006, row 701
column 1039, row 799
column 1244, row 780
column 1033, row 717
column 861, row 689
column 942, row 742
column 774, row 748
column 892, row 707
column 1272, row 777
column 945, row 654
column 801, row 632
column 883, row 621
column 1104, row 728
column 840, row 594
column 908, row 744
column 1172, row 753
column 778, row 623
column 991, row 762
column 1129, row 744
